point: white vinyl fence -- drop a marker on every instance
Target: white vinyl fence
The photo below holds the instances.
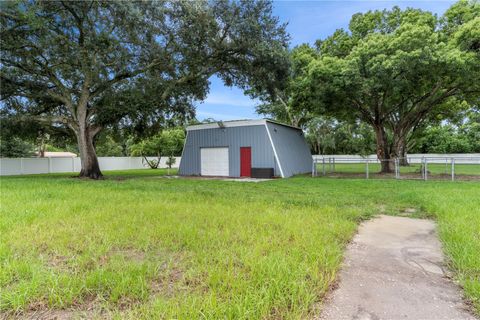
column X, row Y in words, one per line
column 19, row 166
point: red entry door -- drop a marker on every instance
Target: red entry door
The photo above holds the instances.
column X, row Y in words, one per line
column 245, row 161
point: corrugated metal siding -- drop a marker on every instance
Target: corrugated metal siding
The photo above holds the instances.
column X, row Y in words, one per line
column 235, row 137
column 292, row 149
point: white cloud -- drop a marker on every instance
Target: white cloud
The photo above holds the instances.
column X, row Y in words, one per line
column 230, row 99
column 216, row 116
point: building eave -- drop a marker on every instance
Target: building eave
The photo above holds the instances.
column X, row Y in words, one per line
column 237, row 123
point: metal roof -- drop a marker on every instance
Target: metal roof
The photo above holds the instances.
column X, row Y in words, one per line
column 236, row 123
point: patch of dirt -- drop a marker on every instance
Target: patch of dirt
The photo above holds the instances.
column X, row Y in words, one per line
column 57, row 261
column 408, row 212
column 52, row 315
column 126, row 303
column 117, row 178
column 101, row 178
column 60, row 262
column 198, row 283
column 130, row 254
column 166, row 281
column 88, row 308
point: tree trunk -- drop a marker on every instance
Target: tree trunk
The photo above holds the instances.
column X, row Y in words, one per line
column 403, row 161
column 41, row 146
column 400, row 147
column 88, row 156
column 383, row 150
column 152, row 163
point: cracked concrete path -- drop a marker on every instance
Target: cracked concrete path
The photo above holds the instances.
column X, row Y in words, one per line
column 394, row 269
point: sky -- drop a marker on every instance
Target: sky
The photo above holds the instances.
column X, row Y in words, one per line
column 307, row 22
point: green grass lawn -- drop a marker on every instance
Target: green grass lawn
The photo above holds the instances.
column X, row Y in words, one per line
column 138, row 245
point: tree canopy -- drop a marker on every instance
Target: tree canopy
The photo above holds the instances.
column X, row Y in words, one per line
column 395, row 69
column 87, row 65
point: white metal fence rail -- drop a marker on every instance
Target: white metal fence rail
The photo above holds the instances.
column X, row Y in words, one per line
column 323, row 165
column 414, row 158
column 20, row 166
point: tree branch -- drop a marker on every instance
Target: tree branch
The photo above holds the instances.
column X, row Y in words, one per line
column 366, row 114
column 94, row 130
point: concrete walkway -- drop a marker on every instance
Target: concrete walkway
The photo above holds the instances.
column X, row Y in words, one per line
column 394, row 270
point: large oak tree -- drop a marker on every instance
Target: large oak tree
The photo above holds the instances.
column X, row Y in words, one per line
column 89, row 64
column 396, row 69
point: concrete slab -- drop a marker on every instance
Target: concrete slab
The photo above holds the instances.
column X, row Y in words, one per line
column 394, row 269
column 247, row 179
column 217, row 178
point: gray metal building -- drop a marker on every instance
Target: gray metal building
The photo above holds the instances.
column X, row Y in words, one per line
column 244, row 148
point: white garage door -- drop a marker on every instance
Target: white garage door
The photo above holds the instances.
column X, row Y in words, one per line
column 214, row 161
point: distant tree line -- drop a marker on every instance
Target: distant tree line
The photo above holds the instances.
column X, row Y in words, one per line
column 330, row 136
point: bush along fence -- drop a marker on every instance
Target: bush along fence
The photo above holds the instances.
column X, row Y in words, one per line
column 424, row 167
column 21, row 166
